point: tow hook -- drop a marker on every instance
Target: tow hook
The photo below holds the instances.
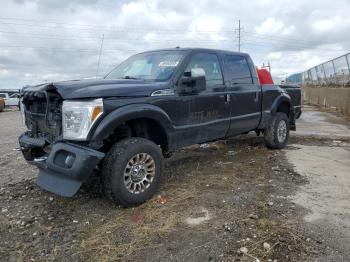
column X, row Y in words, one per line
column 40, row 159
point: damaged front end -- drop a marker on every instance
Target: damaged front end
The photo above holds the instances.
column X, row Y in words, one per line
column 42, row 113
column 63, row 166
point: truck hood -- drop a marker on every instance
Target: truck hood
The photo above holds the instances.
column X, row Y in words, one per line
column 96, row 88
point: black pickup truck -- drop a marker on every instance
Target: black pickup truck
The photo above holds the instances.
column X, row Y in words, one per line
column 150, row 105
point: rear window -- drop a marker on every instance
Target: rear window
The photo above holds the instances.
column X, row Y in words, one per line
column 2, row 95
column 238, row 70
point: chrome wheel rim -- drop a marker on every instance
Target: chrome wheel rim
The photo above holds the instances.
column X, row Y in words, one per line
column 139, row 173
column 282, row 131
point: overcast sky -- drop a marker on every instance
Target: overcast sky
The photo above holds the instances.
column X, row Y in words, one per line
column 50, row 40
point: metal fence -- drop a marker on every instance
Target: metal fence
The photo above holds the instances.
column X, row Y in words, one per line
column 335, row 72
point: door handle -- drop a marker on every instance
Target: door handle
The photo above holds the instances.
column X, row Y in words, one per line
column 227, row 98
column 256, row 97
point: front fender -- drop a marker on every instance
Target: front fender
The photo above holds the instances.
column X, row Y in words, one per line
column 119, row 116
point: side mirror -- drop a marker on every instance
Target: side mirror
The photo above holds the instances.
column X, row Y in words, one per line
column 193, row 82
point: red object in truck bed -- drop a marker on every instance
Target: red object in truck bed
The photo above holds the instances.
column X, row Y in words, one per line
column 265, row 77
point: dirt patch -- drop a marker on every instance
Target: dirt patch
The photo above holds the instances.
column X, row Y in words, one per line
column 238, row 186
column 217, row 199
column 13, row 167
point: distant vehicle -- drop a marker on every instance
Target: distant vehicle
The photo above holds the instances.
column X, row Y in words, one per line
column 10, row 100
column 149, row 106
column 2, row 104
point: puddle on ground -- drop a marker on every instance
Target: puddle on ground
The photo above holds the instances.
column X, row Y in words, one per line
column 328, row 171
column 314, row 123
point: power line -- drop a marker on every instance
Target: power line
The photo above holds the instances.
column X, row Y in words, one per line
column 67, row 49
column 147, row 30
column 140, row 29
column 58, row 37
column 266, row 36
column 120, row 29
column 281, row 38
column 239, row 35
column 69, row 24
column 266, row 40
column 286, row 47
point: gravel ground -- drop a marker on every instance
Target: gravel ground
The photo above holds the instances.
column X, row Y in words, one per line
column 231, row 200
column 13, row 168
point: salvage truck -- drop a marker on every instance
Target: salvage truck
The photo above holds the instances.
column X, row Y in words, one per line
column 122, row 126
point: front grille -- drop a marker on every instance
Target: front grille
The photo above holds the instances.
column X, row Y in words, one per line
column 42, row 112
column 38, row 107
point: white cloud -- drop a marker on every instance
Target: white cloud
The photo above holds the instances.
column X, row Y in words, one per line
column 312, row 61
column 4, row 73
column 292, row 34
column 331, row 24
column 274, row 26
column 274, row 56
column 270, row 26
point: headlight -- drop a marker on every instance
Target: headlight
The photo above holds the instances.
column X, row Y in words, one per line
column 79, row 116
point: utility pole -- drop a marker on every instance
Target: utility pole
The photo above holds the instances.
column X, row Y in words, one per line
column 239, row 35
column 99, row 57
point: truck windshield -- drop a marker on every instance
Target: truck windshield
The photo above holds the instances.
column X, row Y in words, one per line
column 156, row 66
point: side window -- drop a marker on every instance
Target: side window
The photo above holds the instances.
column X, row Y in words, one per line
column 238, row 70
column 210, row 64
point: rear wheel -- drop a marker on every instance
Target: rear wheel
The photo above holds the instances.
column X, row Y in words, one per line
column 276, row 134
column 132, row 171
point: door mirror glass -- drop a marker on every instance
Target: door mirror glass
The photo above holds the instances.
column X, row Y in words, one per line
column 197, row 72
column 193, row 82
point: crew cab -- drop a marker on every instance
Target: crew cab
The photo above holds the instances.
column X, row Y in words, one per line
column 152, row 104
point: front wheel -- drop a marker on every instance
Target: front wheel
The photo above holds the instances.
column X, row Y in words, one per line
column 276, row 134
column 132, row 171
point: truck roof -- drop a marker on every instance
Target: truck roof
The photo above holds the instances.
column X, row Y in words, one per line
column 199, row 49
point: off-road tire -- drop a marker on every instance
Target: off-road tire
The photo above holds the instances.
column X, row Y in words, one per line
column 271, row 131
column 114, row 167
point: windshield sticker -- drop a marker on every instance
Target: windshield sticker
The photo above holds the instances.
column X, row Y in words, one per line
column 168, row 63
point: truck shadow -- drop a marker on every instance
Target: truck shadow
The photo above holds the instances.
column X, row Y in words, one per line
column 187, row 160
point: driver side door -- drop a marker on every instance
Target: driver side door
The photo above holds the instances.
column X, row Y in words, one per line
column 209, row 114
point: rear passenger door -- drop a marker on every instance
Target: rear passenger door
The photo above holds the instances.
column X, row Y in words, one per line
column 245, row 94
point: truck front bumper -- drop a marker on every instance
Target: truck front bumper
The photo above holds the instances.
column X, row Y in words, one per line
column 65, row 168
